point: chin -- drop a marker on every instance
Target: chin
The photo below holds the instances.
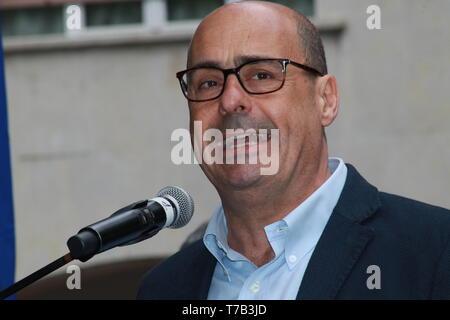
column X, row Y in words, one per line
column 239, row 176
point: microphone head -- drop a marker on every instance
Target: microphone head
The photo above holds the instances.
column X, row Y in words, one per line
column 183, row 202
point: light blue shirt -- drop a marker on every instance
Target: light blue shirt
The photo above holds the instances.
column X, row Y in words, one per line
column 292, row 238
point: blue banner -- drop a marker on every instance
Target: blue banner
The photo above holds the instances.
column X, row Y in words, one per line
column 7, row 240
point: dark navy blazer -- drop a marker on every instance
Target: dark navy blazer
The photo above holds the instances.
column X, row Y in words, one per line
column 408, row 240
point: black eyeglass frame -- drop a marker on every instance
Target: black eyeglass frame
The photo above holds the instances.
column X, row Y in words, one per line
column 227, row 72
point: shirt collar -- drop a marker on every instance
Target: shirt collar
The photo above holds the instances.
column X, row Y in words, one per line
column 304, row 225
column 215, row 238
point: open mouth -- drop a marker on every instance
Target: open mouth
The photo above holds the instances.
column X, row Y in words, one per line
column 246, row 141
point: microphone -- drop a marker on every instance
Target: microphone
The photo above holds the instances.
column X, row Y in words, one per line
column 172, row 208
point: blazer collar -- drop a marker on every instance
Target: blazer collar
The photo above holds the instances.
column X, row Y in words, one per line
column 339, row 247
column 342, row 241
column 194, row 283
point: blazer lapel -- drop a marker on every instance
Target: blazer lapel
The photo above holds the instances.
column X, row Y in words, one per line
column 194, row 283
column 343, row 239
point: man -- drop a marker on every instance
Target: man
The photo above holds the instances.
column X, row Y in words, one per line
column 315, row 229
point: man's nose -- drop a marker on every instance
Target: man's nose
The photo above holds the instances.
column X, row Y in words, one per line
column 234, row 99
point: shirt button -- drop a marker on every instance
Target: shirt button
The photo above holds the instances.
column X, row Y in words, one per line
column 292, row 258
column 255, row 287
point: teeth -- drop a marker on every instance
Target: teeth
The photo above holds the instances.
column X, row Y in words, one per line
column 253, row 139
column 263, row 137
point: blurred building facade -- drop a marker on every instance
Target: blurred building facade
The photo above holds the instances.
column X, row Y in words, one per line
column 91, row 111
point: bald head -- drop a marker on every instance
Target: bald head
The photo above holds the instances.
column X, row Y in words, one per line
column 268, row 17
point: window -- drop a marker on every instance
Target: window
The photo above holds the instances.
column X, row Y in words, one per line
column 50, row 19
column 29, row 21
column 190, row 10
column 113, row 13
column 306, row 7
column 198, row 9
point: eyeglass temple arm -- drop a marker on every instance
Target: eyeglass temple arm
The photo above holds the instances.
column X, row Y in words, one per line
column 306, row 68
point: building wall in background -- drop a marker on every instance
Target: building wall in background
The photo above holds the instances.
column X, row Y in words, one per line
column 91, row 118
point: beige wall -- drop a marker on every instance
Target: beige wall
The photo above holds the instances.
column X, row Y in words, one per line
column 90, row 124
column 394, row 123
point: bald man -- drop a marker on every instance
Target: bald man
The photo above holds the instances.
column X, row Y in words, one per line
column 311, row 228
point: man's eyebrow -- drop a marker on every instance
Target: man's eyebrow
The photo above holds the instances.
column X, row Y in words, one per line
column 247, row 58
column 206, row 64
column 238, row 61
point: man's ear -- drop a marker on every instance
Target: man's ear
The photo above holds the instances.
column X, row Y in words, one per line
column 328, row 99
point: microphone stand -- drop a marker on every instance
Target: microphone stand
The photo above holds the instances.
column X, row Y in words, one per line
column 84, row 246
column 35, row 276
column 80, row 247
column 131, row 224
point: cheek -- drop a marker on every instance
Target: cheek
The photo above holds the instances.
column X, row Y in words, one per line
column 303, row 115
column 202, row 118
column 203, row 113
column 288, row 112
column 294, row 115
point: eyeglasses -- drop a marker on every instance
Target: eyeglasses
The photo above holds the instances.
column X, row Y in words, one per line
column 256, row 77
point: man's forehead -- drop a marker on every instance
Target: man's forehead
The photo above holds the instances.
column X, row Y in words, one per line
column 229, row 37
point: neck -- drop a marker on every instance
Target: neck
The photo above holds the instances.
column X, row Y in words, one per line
column 249, row 211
